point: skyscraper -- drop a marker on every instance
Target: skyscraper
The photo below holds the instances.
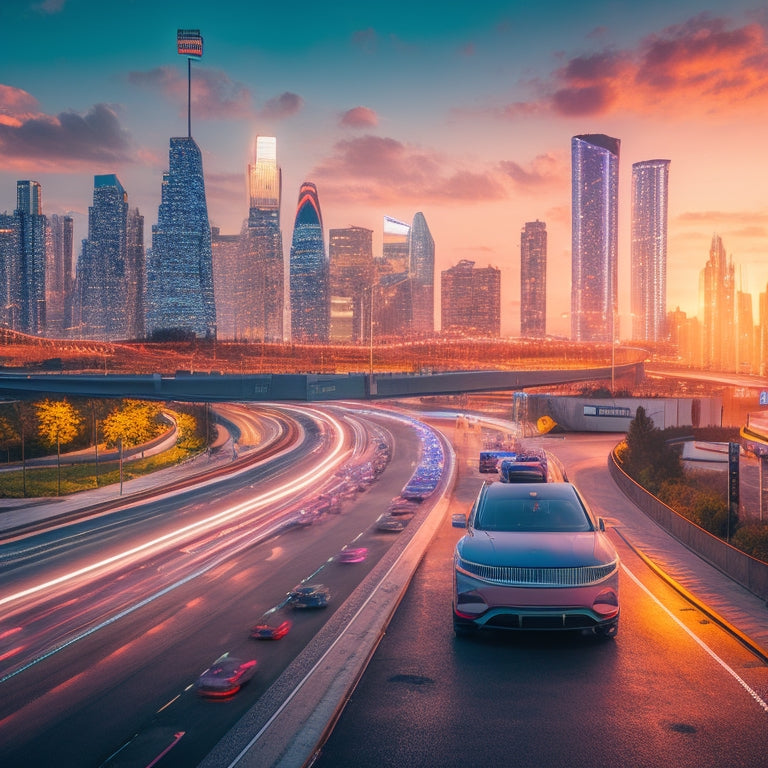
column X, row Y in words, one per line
column 650, row 203
column 260, row 306
column 10, row 251
column 309, row 271
column 395, row 245
column 594, row 234
column 229, row 273
column 135, row 275
column 421, row 256
column 350, row 253
column 101, row 270
column 59, row 283
column 30, row 268
column 179, row 271
column 716, row 299
column 533, row 279
column 471, row 300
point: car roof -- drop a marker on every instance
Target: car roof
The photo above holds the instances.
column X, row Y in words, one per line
column 524, row 490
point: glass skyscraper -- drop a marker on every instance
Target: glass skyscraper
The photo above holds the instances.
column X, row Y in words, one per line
column 594, row 233
column 650, row 203
column 350, row 253
column 309, row 272
column 59, row 283
column 533, row 279
column 261, row 303
column 101, row 269
column 28, row 293
column 421, row 256
column 180, row 298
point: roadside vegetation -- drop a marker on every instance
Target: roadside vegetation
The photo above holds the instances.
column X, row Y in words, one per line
column 55, row 426
column 648, row 455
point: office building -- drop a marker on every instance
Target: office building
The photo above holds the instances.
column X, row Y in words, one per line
column 717, row 308
column 10, row 288
column 309, row 272
column 261, row 275
column 180, row 299
column 421, row 256
column 650, row 203
column 28, row 294
column 471, row 300
column 533, row 279
column 59, row 279
column 350, row 255
column 228, row 284
column 395, row 245
column 102, row 270
column 594, row 234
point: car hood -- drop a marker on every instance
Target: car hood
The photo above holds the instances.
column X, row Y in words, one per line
column 540, row 550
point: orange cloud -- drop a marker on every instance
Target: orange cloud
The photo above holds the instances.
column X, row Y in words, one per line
column 705, row 64
column 543, row 172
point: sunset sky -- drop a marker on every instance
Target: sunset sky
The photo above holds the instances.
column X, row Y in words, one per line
column 463, row 111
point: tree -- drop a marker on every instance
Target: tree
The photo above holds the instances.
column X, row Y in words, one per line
column 9, row 436
column 188, row 439
column 134, row 422
column 58, row 424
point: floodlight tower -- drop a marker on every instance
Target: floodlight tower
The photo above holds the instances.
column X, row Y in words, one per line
column 189, row 43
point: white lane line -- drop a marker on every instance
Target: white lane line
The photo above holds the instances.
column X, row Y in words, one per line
column 761, row 703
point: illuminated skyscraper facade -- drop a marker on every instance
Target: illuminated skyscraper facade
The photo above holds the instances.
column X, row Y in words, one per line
column 309, row 272
column 260, row 307
column 471, row 300
column 28, row 296
column 594, row 235
column 180, row 300
column 10, row 289
column 533, row 279
column 650, row 204
column 716, row 299
column 228, row 289
column 59, row 282
column 395, row 245
column 350, row 253
column 102, row 269
column 421, row 255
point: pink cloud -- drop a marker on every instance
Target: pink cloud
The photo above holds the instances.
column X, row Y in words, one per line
column 377, row 170
column 63, row 142
column 544, row 171
column 284, row 105
column 359, row 117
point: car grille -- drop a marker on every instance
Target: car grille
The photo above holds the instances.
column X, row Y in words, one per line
column 511, row 575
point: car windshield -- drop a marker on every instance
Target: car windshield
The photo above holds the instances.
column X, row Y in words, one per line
column 534, row 515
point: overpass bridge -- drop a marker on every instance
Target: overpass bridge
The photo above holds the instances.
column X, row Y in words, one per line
column 308, row 387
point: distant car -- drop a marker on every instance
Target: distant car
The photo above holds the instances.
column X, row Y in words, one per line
column 309, row 596
column 394, row 523
column 534, row 557
column 225, row 677
column 266, row 631
column 353, row 555
column 401, row 506
column 517, row 471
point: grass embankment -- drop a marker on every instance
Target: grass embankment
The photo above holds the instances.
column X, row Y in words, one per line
column 43, row 481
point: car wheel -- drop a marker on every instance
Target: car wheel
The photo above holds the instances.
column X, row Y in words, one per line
column 607, row 631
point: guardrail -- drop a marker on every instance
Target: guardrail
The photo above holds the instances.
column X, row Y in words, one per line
column 744, row 569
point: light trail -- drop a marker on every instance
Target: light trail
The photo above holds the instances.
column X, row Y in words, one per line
column 307, row 479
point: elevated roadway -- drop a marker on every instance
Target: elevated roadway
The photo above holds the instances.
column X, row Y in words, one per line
column 207, row 387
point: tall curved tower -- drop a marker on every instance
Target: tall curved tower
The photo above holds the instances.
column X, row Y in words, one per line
column 594, row 233
column 309, row 271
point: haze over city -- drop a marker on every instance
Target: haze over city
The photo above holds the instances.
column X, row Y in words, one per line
column 392, row 108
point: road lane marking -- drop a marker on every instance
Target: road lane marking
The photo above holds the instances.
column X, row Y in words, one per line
column 761, row 703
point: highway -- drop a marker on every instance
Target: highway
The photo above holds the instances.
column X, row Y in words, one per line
column 672, row 689
column 107, row 623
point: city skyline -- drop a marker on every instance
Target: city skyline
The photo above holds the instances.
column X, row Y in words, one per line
column 467, row 118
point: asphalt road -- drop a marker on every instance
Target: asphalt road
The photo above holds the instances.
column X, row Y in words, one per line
column 120, row 695
column 673, row 689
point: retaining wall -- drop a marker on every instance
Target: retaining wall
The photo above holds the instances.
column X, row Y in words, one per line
column 742, row 568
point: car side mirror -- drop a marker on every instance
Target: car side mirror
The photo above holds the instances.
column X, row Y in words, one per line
column 458, row 520
column 601, row 523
